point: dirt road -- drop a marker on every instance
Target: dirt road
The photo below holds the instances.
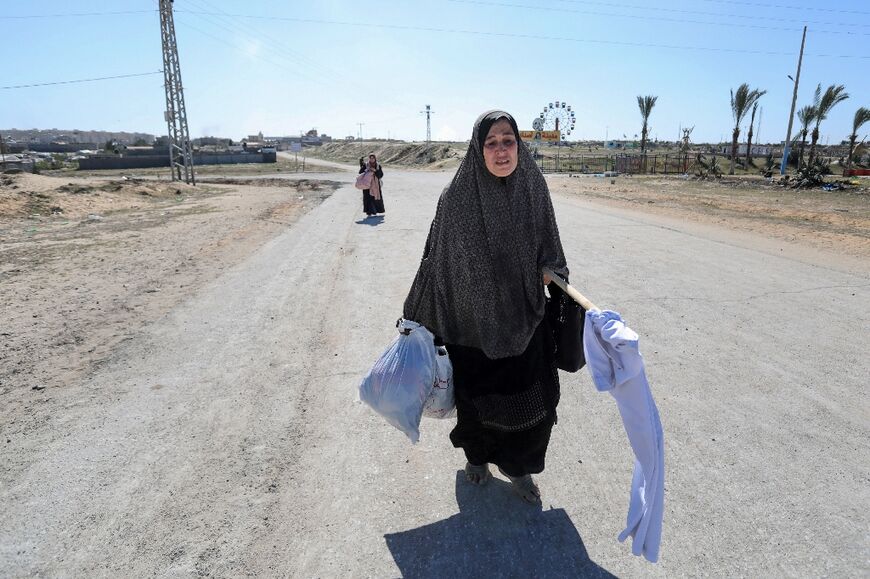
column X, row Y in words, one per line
column 223, row 437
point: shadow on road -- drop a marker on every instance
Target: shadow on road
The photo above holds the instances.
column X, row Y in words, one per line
column 374, row 220
column 494, row 534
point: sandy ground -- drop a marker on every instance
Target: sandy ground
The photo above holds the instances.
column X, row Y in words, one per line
column 177, row 367
column 836, row 221
column 85, row 263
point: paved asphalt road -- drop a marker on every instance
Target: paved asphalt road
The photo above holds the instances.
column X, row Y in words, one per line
column 226, row 438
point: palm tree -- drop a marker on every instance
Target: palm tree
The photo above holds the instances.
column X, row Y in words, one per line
column 805, row 116
column 862, row 115
column 741, row 102
column 645, row 104
column 749, row 137
column 823, row 103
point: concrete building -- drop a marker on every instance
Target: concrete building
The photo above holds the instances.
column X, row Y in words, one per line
column 757, row 150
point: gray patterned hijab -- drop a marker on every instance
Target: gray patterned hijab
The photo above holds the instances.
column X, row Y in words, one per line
column 480, row 282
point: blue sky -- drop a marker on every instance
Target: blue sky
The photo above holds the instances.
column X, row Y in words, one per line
column 289, row 65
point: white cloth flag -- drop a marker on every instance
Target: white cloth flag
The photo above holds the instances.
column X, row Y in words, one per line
column 614, row 360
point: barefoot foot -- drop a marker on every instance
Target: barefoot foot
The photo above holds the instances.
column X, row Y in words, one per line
column 477, row 474
column 525, row 487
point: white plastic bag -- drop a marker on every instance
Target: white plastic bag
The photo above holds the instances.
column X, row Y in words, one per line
column 401, row 380
column 441, row 403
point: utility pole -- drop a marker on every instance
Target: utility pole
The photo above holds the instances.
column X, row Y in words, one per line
column 428, row 112
column 797, row 79
column 180, row 156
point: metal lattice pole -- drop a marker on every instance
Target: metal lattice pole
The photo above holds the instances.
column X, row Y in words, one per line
column 428, row 112
column 180, row 155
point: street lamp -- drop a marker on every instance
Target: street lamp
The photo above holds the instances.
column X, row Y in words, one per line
column 795, row 81
column 786, row 149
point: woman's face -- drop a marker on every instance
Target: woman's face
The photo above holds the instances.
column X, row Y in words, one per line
column 500, row 149
column 373, row 161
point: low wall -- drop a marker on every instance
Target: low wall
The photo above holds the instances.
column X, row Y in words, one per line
column 227, row 159
column 145, row 161
column 137, row 162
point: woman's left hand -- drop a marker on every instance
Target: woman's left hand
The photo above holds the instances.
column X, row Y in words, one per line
column 547, row 279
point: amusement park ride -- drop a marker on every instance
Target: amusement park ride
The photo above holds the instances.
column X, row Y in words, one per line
column 558, row 119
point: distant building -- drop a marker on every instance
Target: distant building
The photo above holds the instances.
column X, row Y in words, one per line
column 211, row 141
column 47, row 136
column 757, row 150
column 17, row 162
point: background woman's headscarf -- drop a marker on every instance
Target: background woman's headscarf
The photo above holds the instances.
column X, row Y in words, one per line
column 480, row 282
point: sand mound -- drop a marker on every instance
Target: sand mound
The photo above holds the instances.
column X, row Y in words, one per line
column 25, row 194
column 433, row 155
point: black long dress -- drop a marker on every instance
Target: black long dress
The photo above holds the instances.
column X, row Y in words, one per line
column 372, row 206
column 506, row 408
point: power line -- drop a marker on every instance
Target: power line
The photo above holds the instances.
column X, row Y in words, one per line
column 224, row 41
column 73, row 14
column 698, row 12
column 297, row 57
column 81, row 80
column 787, row 7
column 314, row 72
column 660, row 18
column 326, row 82
column 533, row 36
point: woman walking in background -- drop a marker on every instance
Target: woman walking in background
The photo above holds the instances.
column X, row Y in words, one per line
column 373, row 200
column 480, row 289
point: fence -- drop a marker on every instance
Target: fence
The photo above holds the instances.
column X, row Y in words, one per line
column 677, row 163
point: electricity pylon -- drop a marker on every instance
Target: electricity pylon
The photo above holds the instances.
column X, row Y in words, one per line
column 428, row 112
column 180, row 155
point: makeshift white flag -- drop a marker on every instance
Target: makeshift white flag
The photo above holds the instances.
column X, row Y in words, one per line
column 614, row 361
column 616, row 366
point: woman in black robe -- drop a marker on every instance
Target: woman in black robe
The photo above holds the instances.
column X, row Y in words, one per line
column 480, row 289
column 373, row 199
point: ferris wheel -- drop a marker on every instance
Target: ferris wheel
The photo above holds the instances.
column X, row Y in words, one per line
column 556, row 116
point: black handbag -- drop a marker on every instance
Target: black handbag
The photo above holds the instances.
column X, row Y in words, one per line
column 567, row 319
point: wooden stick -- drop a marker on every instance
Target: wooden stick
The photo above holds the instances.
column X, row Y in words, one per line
column 569, row 289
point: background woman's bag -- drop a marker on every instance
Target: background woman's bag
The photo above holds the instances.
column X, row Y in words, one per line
column 567, row 319
column 400, row 382
column 441, row 403
column 364, row 180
